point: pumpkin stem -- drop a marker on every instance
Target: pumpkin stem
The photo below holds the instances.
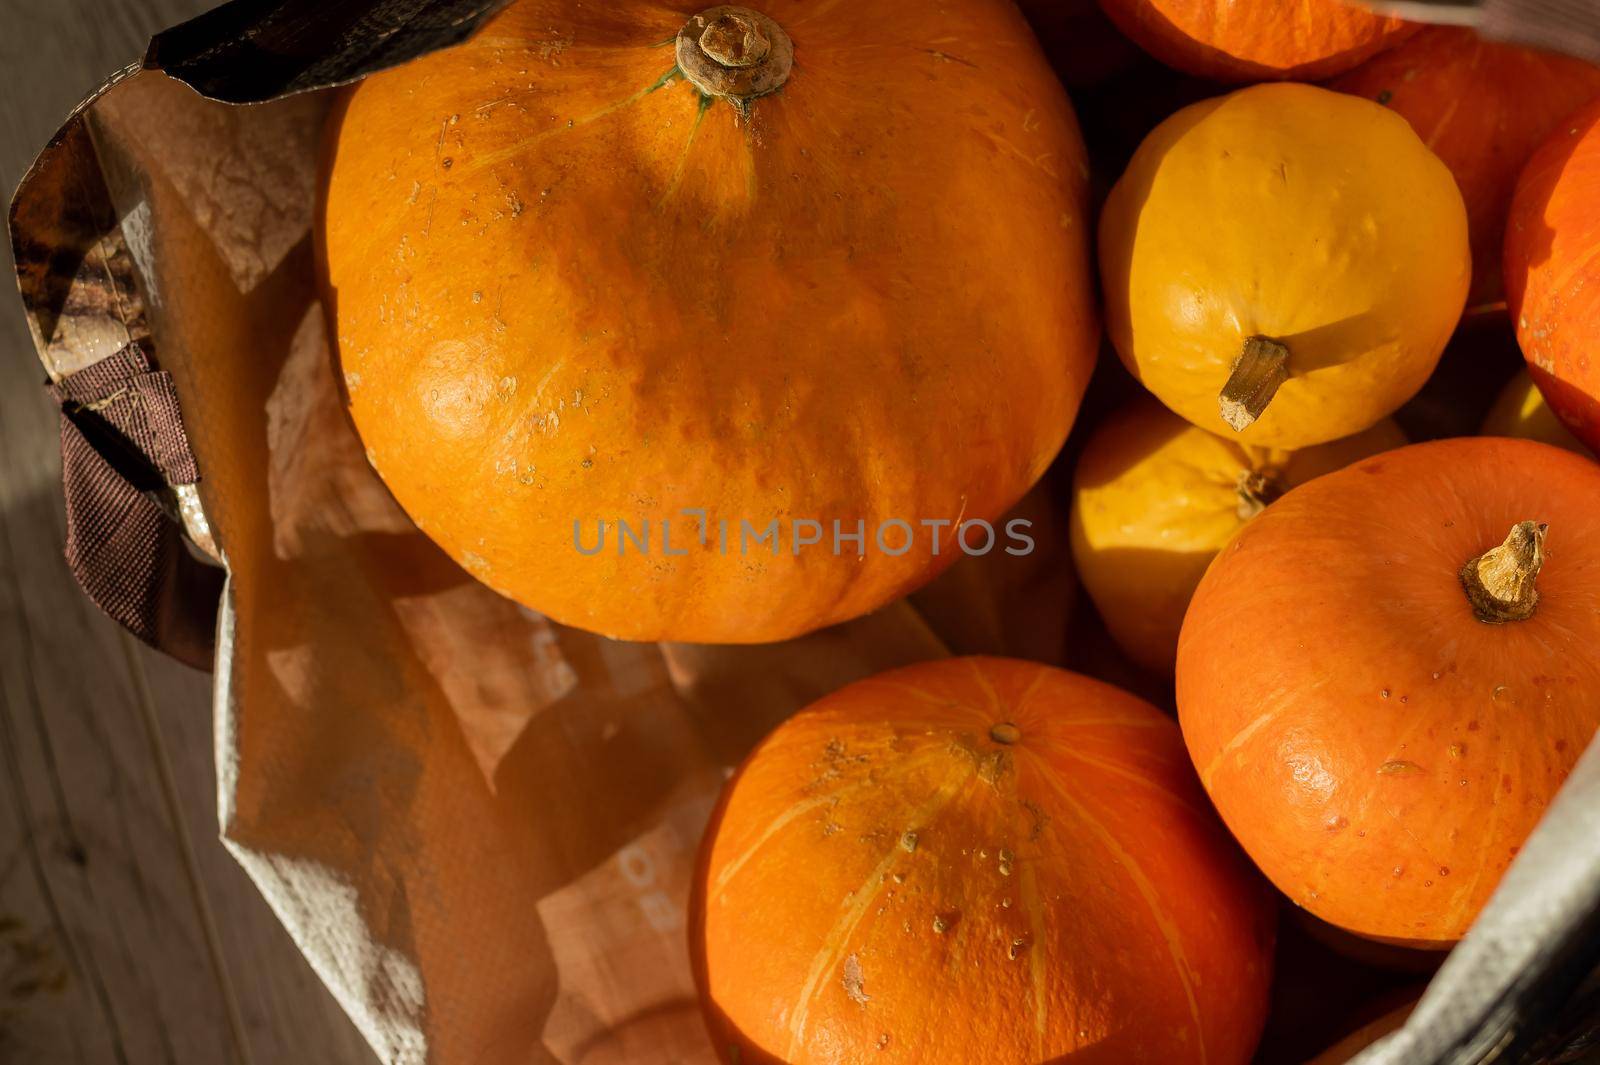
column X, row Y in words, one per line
column 1257, row 489
column 734, row 52
column 1500, row 582
column 1005, row 732
column 1257, row 374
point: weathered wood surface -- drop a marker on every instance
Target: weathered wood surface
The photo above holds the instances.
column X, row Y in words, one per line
column 127, row 934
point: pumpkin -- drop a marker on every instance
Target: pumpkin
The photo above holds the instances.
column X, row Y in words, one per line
column 1257, row 40
column 1384, row 679
column 1483, row 108
column 738, row 272
column 1154, row 499
column 1521, row 411
column 1348, row 1048
column 1553, row 275
column 1285, row 263
column 976, row 860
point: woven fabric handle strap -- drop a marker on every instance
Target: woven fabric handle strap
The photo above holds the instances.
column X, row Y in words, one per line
column 122, row 446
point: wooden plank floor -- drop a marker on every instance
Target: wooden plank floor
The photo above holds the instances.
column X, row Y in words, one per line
column 127, row 934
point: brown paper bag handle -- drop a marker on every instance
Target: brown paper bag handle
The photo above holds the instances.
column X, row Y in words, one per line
column 122, row 445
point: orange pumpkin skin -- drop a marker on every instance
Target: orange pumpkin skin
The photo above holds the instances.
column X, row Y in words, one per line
column 1483, row 108
column 568, row 288
column 1553, row 274
column 1379, row 751
column 887, row 878
column 1257, row 40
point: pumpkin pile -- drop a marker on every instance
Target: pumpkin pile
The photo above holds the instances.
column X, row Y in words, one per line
column 726, row 325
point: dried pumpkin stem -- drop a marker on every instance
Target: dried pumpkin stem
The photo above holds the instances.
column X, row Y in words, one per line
column 1257, row 374
column 1257, row 489
column 734, row 52
column 1500, row 582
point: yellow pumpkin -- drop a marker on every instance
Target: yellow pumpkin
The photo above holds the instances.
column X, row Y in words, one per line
column 1284, row 262
column 1154, row 499
column 1521, row 411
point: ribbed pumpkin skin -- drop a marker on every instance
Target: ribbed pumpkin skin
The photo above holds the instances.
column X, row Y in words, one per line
column 1069, row 893
column 565, row 291
column 1154, row 499
column 1294, row 213
column 1553, row 273
column 1381, row 753
column 1257, row 40
column 1483, row 108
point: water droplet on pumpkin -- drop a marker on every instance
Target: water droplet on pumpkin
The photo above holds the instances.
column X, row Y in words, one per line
column 908, row 842
column 1399, row 870
column 1384, row 693
column 1457, row 750
column 940, row 925
column 1005, row 903
column 1499, row 693
column 1444, row 870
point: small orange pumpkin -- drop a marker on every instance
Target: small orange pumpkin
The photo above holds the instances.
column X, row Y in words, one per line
column 1553, row 274
column 1483, row 108
column 982, row 861
column 815, row 269
column 1382, row 689
column 1348, row 1048
column 1257, row 40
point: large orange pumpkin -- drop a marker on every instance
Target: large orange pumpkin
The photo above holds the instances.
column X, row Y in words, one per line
column 1382, row 689
column 1483, row 108
column 981, row 861
column 1257, row 40
column 1553, row 272
column 816, row 264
